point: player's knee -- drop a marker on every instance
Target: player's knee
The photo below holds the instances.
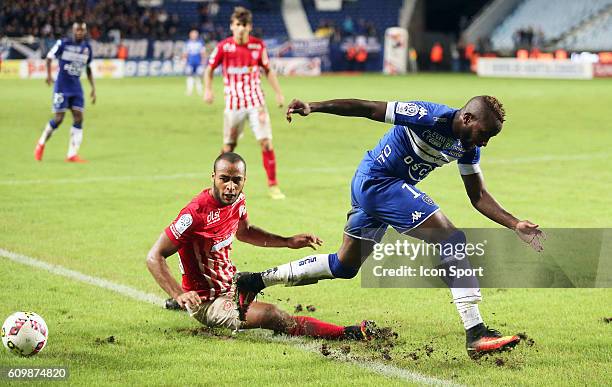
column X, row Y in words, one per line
column 58, row 120
column 266, row 144
column 340, row 270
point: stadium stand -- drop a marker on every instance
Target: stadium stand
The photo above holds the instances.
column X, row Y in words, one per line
column 549, row 19
column 356, row 17
column 595, row 35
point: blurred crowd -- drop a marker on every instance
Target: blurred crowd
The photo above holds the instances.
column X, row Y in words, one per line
column 53, row 18
column 528, row 38
column 348, row 28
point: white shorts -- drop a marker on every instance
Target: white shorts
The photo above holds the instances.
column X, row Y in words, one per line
column 220, row 312
column 233, row 123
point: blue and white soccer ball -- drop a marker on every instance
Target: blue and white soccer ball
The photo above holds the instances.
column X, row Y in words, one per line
column 24, row 333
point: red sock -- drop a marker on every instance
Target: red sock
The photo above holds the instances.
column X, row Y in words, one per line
column 308, row 326
column 269, row 163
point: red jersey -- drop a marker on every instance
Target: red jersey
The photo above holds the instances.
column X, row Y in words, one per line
column 241, row 63
column 204, row 231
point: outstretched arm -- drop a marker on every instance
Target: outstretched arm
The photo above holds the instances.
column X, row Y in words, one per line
column 484, row 202
column 254, row 235
column 374, row 110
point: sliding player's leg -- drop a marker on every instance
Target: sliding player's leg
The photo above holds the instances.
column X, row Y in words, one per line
column 269, row 316
column 221, row 312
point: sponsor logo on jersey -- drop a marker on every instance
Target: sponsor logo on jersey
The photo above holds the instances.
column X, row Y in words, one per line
column 229, row 47
column 213, row 216
column 224, row 243
column 254, row 46
column 233, row 70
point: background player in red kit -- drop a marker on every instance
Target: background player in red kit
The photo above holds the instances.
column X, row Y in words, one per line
column 203, row 233
column 241, row 56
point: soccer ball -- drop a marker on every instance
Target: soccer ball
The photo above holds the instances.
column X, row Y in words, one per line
column 24, row 333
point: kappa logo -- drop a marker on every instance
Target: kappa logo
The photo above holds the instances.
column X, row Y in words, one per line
column 416, row 215
column 242, row 211
column 183, row 223
column 213, row 216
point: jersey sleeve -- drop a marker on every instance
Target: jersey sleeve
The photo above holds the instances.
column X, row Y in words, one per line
column 469, row 163
column 182, row 229
column 407, row 113
column 90, row 55
column 216, row 57
column 56, row 50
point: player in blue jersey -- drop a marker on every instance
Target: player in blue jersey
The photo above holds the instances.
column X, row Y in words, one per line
column 383, row 193
column 73, row 54
column 194, row 55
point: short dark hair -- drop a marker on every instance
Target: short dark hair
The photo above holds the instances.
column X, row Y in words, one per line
column 230, row 157
column 489, row 108
column 243, row 15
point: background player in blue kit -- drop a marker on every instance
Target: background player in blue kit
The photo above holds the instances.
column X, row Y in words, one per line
column 73, row 55
column 384, row 193
column 194, row 55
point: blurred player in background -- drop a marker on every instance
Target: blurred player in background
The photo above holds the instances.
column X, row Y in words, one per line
column 241, row 56
column 425, row 136
column 203, row 233
column 73, row 54
column 194, row 55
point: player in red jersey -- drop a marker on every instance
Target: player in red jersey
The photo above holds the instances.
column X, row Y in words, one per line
column 241, row 56
column 202, row 234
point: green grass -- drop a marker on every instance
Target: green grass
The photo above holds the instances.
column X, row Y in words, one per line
column 85, row 218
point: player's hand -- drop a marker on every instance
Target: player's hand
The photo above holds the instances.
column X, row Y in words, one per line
column 280, row 100
column 297, row 107
column 93, row 96
column 530, row 234
column 49, row 81
column 208, row 96
column 190, row 299
column 304, row 240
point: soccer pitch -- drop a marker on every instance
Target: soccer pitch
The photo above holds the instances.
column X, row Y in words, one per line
column 151, row 148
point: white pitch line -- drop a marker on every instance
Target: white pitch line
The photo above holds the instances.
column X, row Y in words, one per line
column 314, row 170
column 75, row 275
column 373, row 366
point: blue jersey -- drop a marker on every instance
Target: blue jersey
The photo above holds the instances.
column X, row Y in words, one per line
column 420, row 141
column 193, row 50
column 73, row 58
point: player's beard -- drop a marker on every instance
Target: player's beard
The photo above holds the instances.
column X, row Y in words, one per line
column 221, row 198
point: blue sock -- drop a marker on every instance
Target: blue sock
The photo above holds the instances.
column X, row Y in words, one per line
column 53, row 124
column 339, row 270
column 77, row 125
